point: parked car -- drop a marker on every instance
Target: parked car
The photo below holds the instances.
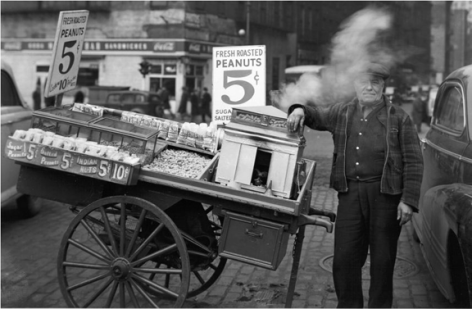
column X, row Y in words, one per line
column 16, row 115
column 444, row 222
column 143, row 102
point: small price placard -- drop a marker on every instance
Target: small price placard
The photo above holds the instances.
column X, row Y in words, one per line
column 71, row 162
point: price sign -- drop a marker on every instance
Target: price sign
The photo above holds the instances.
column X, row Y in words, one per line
column 67, row 51
column 239, row 79
column 71, row 162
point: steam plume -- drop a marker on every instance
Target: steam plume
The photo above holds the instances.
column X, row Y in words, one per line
column 360, row 40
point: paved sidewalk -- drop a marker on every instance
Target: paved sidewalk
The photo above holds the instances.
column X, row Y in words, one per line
column 30, row 248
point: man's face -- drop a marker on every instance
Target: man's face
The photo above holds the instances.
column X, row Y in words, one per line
column 369, row 88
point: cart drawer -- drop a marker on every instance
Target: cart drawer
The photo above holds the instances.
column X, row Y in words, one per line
column 253, row 241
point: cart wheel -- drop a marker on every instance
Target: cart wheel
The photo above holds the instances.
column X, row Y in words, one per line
column 111, row 247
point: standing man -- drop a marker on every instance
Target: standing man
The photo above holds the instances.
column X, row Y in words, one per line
column 194, row 103
column 417, row 112
column 183, row 102
column 206, row 100
column 37, row 97
column 164, row 95
column 79, row 97
column 377, row 171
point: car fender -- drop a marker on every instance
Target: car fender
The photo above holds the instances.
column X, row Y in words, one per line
column 447, row 209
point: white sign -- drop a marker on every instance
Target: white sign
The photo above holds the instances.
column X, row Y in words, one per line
column 239, row 79
column 67, row 51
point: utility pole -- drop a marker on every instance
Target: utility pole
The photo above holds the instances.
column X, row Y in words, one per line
column 248, row 20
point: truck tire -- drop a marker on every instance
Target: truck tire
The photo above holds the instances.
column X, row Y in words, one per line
column 29, row 206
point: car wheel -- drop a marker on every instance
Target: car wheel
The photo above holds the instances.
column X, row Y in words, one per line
column 137, row 110
column 458, row 273
column 159, row 112
column 29, row 206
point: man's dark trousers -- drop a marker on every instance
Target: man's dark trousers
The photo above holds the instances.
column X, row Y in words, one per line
column 365, row 217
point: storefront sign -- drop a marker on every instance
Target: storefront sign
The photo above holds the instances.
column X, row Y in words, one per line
column 112, row 45
column 67, row 51
column 71, row 162
column 239, row 79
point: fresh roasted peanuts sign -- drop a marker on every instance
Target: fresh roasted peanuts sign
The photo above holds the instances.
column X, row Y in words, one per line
column 239, row 79
column 67, row 51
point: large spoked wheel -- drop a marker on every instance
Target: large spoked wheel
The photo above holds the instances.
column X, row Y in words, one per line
column 203, row 276
column 111, row 256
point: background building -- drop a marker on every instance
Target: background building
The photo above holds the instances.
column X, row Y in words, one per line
column 177, row 38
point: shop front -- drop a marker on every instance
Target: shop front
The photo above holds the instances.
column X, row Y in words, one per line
column 175, row 63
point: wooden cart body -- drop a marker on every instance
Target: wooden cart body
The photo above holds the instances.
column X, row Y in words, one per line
column 256, row 227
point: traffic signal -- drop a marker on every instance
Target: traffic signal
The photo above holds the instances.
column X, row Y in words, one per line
column 145, row 68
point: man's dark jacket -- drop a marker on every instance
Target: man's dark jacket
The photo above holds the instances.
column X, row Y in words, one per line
column 403, row 167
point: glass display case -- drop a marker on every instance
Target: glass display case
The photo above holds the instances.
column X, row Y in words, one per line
column 126, row 136
column 62, row 120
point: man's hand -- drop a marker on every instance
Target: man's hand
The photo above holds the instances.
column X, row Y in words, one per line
column 404, row 213
column 296, row 119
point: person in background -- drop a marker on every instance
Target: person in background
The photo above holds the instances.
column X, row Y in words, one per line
column 37, row 97
column 377, row 170
column 164, row 95
column 206, row 101
column 183, row 103
column 397, row 98
column 417, row 113
column 79, row 97
column 194, row 103
column 425, row 100
column 48, row 101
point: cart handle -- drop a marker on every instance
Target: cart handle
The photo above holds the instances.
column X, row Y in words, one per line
column 320, row 212
column 307, row 220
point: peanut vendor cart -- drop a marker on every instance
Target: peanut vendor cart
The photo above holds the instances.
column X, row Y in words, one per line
column 149, row 234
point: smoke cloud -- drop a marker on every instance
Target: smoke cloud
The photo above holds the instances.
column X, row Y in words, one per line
column 361, row 39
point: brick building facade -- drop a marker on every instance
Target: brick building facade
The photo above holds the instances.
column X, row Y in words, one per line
column 177, row 37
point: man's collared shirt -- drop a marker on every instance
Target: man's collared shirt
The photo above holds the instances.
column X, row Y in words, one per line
column 365, row 152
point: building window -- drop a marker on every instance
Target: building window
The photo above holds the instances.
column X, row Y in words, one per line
column 170, row 69
column 42, row 68
column 158, row 4
column 87, row 77
column 156, row 69
column 275, row 73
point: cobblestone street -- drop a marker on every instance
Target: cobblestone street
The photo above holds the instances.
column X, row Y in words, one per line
column 30, row 248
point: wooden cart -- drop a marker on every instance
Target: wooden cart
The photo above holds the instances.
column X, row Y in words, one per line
column 143, row 238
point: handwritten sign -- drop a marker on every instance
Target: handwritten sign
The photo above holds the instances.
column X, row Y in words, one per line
column 239, row 79
column 72, row 162
column 67, row 51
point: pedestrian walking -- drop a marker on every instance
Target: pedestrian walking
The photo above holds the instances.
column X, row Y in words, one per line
column 48, row 101
column 79, row 97
column 417, row 113
column 183, row 103
column 397, row 98
column 194, row 103
column 37, row 97
column 205, row 107
column 377, row 170
column 164, row 96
